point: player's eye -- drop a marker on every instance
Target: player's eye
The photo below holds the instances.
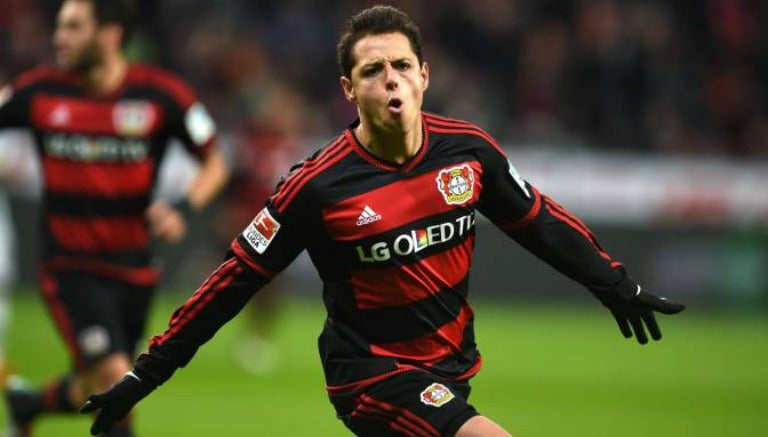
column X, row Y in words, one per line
column 402, row 65
column 370, row 70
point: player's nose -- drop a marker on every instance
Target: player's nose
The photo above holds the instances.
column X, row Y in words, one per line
column 390, row 78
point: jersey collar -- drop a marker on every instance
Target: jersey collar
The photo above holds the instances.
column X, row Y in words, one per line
column 405, row 167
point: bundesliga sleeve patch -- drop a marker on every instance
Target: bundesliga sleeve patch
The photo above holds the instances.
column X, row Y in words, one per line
column 261, row 231
column 519, row 180
column 436, row 395
column 199, row 124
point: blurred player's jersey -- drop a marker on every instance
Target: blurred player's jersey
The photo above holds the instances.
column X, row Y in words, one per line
column 99, row 157
column 392, row 244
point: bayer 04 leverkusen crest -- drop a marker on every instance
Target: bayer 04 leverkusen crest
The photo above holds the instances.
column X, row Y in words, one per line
column 436, row 395
column 456, row 184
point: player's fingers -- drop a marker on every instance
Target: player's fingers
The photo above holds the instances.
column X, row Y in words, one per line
column 156, row 210
column 623, row 325
column 170, row 227
column 653, row 327
column 172, row 230
column 660, row 304
column 669, row 307
column 637, row 327
column 91, row 404
column 98, row 425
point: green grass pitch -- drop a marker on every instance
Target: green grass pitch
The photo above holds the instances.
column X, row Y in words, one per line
column 549, row 371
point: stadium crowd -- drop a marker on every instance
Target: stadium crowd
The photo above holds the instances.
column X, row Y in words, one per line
column 659, row 76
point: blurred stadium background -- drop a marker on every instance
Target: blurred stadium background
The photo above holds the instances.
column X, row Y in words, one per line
column 649, row 119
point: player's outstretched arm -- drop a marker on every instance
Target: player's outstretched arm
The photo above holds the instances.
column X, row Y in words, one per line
column 562, row 240
column 218, row 299
column 114, row 404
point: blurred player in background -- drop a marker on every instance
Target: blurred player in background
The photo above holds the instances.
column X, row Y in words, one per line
column 387, row 212
column 102, row 127
column 268, row 142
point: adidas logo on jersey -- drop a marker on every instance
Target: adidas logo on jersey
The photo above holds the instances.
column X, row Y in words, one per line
column 368, row 216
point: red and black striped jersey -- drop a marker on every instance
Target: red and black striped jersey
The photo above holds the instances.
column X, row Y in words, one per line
column 100, row 156
column 393, row 246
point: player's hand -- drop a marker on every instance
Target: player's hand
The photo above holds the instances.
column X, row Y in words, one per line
column 165, row 222
column 116, row 402
column 633, row 312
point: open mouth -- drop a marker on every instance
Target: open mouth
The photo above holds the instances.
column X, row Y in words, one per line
column 395, row 104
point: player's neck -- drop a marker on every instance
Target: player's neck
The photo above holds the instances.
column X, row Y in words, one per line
column 394, row 147
column 106, row 77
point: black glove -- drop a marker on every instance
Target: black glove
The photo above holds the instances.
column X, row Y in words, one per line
column 632, row 307
column 116, row 402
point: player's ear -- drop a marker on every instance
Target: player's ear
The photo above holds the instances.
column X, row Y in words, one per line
column 424, row 76
column 346, row 86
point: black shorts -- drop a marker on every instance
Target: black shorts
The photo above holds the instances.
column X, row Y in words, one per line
column 413, row 404
column 96, row 316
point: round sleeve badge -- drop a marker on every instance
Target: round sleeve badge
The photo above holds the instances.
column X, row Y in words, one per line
column 199, row 124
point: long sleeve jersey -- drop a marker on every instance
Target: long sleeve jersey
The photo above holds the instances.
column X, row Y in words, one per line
column 393, row 246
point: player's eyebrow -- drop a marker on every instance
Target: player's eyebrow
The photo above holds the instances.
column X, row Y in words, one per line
column 379, row 62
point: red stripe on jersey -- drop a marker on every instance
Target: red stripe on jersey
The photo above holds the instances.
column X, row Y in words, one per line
column 577, row 225
column 554, row 205
column 397, row 418
column 398, row 424
column 98, row 179
column 147, row 276
column 431, row 348
column 528, row 218
column 401, row 285
column 567, row 213
column 472, row 370
column 243, row 256
column 99, row 234
column 40, row 74
column 91, row 117
column 311, row 168
column 440, row 124
column 367, row 413
column 299, row 174
column 218, row 280
column 421, row 425
column 363, row 383
column 398, row 203
column 50, row 289
column 224, row 269
column 178, row 89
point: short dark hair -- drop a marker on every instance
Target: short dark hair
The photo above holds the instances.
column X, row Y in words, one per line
column 375, row 21
column 120, row 12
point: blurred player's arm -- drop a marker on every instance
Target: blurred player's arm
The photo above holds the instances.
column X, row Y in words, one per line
column 169, row 221
column 269, row 244
column 562, row 240
column 194, row 127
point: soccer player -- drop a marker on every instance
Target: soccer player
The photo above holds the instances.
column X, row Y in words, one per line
column 102, row 126
column 387, row 212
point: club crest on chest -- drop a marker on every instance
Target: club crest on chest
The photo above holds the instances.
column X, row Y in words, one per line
column 456, row 184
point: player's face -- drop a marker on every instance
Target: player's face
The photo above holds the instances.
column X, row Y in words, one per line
column 75, row 38
column 387, row 82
